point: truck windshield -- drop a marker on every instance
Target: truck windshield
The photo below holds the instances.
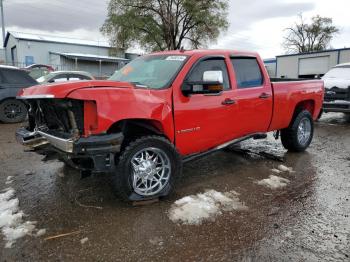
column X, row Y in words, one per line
column 155, row 71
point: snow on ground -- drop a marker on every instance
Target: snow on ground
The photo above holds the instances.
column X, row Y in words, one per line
column 84, row 240
column 275, row 170
column 12, row 224
column 194, row 209
column 284, row 168
column 274, row 182
column 9, row 180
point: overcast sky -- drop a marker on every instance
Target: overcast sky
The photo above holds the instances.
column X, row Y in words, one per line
column 254, row 24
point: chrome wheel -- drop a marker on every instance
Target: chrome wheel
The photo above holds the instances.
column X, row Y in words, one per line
column 304, row 131
column 151, row 169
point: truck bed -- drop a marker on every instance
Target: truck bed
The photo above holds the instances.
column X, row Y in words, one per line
column 288, row 94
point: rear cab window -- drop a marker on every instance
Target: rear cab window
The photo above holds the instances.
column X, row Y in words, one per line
column 247, row 71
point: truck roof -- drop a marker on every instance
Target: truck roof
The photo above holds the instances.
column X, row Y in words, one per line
column 207, row 52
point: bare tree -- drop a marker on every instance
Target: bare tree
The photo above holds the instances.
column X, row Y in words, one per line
column 315, row 36
column 164, row 24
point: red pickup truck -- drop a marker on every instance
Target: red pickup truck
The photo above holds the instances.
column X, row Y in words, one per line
column 163, row 109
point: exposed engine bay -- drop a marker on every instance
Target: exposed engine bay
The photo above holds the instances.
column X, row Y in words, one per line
column 61, row 117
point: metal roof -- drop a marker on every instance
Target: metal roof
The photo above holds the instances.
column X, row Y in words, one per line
column 316, row 52
column 91, row 57
column 54, row 39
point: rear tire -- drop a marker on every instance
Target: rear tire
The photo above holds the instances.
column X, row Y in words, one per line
column 147, row 169
column 12, row 111
column 298, row 136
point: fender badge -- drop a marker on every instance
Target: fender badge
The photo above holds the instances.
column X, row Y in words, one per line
column 188, row 130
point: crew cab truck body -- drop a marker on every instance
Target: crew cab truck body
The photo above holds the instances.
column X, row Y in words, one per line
column 163, row 109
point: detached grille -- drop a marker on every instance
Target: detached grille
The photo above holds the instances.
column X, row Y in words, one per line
column 53, row 114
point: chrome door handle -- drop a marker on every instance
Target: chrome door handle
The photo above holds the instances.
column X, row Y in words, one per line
column 228, row 101
column 264, row 95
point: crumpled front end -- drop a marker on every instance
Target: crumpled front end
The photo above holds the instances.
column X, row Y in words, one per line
column 59, row 126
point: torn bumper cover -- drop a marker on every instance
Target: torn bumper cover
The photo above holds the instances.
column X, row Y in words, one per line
column 94, row 153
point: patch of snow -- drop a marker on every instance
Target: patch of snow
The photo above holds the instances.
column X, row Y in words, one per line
column 11, row 218
column 9, row 178
column 17, row 231
column 274, row 182
column 40, row 232
column 284, row 168
column 277, row 171
column 84, row 240
column 157, row 241
column 28, row 172
column 194, row 209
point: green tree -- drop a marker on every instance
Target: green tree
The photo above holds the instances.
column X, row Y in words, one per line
column 315, row 36
column 164, row 24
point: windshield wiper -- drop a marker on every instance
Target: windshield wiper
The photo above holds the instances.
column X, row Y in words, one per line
column 138, row 84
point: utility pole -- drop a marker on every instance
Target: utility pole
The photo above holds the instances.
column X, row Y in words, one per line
column 3, row 27
column 2, row 21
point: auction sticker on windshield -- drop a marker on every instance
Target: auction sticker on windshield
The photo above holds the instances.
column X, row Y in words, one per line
column 176, row 58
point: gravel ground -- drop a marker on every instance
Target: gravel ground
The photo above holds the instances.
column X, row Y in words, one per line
column 301, row 214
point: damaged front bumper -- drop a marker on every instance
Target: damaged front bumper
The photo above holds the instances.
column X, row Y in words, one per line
column 93, row 153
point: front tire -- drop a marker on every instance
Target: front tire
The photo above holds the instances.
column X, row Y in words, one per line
column 298, row 136
column 147, row 169
column 12, row 111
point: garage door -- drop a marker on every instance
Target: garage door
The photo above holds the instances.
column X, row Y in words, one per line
column 313, row 65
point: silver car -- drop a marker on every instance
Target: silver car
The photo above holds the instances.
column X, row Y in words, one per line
column 64, row 76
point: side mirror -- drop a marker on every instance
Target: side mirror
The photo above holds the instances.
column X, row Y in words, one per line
column 212, row 83
column 213, row 76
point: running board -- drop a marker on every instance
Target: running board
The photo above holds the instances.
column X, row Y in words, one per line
column 220, row 147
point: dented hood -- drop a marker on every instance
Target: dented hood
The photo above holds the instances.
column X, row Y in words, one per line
column 62, row 90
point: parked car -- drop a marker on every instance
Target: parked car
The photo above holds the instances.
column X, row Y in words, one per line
column 166, row 108
column 337, row 89
column 12, row 79
column 65, row 76
column 39, row 70
column 114, row 75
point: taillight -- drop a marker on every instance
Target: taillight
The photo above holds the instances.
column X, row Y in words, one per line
column 90, row 117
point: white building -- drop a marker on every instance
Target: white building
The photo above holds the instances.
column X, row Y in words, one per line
column 63, row 53
column 270, row 65
column 310, row 65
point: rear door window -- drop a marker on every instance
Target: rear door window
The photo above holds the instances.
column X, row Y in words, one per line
column 76, row 77
column 248, row 73
column 59, row 78
column 16, row 77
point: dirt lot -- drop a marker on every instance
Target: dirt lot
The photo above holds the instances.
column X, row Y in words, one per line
column 306, row 220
